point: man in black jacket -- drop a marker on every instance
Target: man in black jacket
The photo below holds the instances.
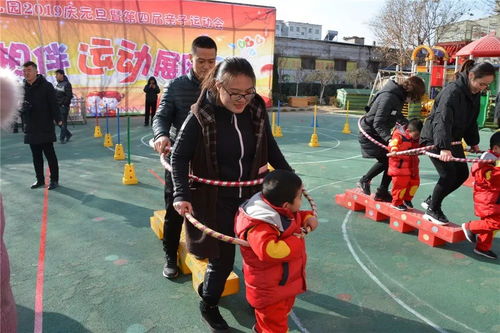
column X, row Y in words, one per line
column 64, row 94
column 174, row 108
column 39, row 113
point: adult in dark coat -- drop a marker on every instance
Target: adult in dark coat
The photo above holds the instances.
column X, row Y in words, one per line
column 378, row 123
column 152, row 90
column 40, row 111
column 453, row 118
column 226, row 136
column 175, row 104
column 64, row 95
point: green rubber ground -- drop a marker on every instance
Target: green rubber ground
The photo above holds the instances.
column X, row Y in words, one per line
column 103, row 263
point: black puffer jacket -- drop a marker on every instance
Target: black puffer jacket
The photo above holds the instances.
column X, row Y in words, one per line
column 64, row 92
column 39, row 112
column 453, row 116
column 384, row 112
column 152, row 92
column 175, row 105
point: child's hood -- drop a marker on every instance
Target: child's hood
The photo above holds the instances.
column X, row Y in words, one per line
column 257, row 208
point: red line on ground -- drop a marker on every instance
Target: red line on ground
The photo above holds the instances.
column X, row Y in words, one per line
column 41, row 263
column 157, row 177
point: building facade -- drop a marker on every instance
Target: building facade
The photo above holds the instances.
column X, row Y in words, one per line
column 298, row 30
column 293, row 55
column 468, row 30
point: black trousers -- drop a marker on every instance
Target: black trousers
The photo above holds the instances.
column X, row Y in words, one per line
column 65, row 133
column 172, row 225
column 47, row 149
column 382, row 165
column 219, row 269
column 150, row 108
column 451, row 176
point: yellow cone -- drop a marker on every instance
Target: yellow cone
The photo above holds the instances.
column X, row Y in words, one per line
column 347, row 128
column 277, row 132
column 129, row 177
column 314, row 140
column 119, row 154
column 97, row 132
column 108, row 140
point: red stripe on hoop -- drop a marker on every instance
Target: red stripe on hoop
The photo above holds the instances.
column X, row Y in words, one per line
column 41, row 263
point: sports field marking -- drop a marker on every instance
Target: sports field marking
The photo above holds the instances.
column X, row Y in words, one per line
column 161, row 180
column 335, row 182
column 297, row 322
column 327, row 161
column 38, row 327
column 407, row 290
column 379, row 283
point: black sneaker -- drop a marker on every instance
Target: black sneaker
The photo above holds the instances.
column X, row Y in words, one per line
column 170, row 270
column 212, row 316
column 53, row 185
column 37, row 184
column 426, row 202
column 436, row 216
column 471, row 237
column 400, row 207
column 68, row 137
column 62, row 141
column 408, row 204
column 382, row 195
column 487, row 254
column 364, row 185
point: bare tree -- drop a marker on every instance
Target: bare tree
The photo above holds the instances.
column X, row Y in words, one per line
column 358, row 76
column 300, row 76
column 402, row 25
column 324, row 77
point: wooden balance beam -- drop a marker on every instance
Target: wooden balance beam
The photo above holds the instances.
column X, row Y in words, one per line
column 188, row 263
column 402, row 221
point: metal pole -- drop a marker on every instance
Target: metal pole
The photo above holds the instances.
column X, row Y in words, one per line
column 128, row 139
column 118, row 120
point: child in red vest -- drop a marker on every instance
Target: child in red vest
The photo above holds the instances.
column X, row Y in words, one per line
column 274, row 264
column 486, row 201
column 404, row 168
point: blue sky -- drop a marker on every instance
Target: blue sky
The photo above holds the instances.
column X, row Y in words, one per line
column 348, row 17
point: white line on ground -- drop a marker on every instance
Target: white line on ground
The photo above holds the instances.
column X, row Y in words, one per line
column 327, row 161
column 297, row 322
column 336, row 182
column 396, row 282
column 379, row 283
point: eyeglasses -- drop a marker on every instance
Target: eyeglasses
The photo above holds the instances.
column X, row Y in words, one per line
column 238, row 97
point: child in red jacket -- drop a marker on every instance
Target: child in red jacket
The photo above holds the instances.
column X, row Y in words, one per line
column 404, row 168
column 274, row 264
column 486, row 201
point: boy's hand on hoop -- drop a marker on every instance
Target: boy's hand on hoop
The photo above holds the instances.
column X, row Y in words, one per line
column 310, row 224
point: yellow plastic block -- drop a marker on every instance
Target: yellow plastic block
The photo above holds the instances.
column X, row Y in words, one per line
column 314, row 141
column 108, row 140
column 277, row 132
column 157, row 226
column 129, row 177
column 119, row 153
column 347, row 128
column 97, row 131
column 189, row 264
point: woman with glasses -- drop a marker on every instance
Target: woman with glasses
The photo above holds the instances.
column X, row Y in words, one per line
column 227, row 136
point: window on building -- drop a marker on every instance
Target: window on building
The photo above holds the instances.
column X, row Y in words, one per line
column 340, row 65
column 302, row 33
column 310, row 30
column 317, row 31
column 308, row 62
column 291, row 28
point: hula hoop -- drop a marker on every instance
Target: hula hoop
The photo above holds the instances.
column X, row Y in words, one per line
column 203, row 228
column 422, row 150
